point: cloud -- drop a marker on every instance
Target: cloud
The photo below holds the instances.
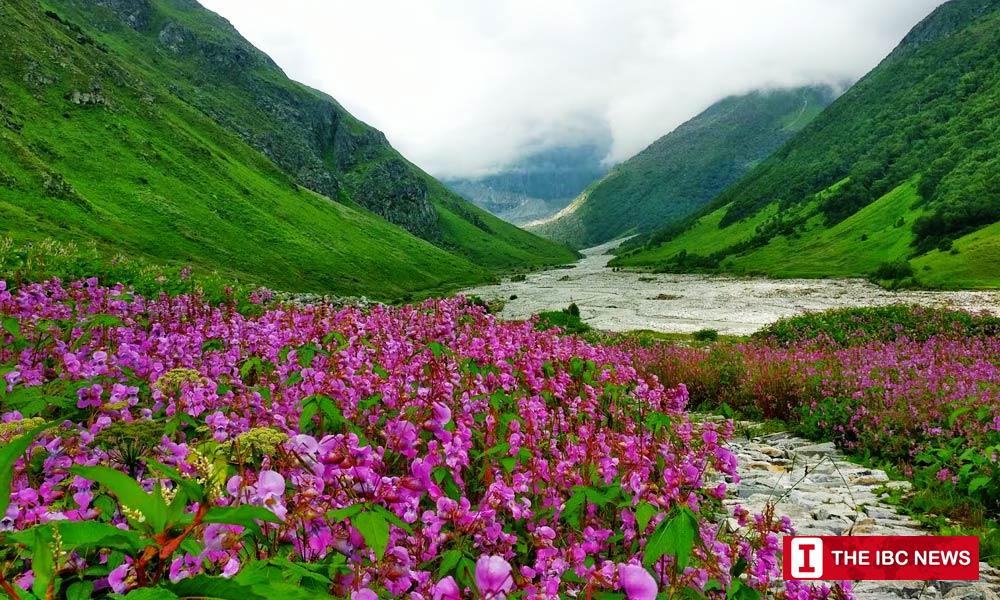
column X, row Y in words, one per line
column 461, row 87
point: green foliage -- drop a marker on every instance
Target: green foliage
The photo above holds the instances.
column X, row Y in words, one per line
column 123, row 145
column 923, row 116
column 679, row 173
column 706, row 335
column 855, row 326
column 568, row 320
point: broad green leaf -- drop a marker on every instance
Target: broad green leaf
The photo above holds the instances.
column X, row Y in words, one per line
column 156, row 593
column 216, row 588
column 449, row 560
column 392, row 518
column 244, row 515
column 194, row 490
column 9, row 454
column 374, row 529
column 676, row 537
column 644, row 514
column 741, row 591
column 12, row 326
column 978, row 483
column 129, row 493
column 574, row 506
column 339, row 514
column 81, row 590
column 42, row 565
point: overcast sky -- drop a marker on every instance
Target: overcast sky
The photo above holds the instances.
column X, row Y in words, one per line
column 464, row 86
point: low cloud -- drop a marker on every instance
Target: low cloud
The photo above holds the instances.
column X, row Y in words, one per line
column 461, row 87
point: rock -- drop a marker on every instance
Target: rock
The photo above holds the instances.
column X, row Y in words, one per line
column 817, row 449
column 772, row 451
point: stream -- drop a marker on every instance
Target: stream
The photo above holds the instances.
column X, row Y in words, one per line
column 665, row 302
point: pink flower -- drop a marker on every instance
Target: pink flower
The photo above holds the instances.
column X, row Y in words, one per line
column 493, row 576
column 270, row 492
column 637, row 582
column 446, row 589
column 364, row 594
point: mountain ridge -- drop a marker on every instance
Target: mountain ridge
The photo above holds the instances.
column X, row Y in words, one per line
column 185, row 179
column 915, row 139
column 685, row 168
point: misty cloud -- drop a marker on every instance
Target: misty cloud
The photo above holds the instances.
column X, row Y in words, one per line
column 462, row 88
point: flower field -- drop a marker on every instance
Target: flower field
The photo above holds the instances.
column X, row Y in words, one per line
column 167, row 447
column 917, row 389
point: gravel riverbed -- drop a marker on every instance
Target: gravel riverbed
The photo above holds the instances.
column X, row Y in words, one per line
column 625, row 300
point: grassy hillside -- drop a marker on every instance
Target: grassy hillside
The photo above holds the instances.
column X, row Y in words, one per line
column 686, row 168
column 904, row 168
column 108, row 134
column 91, row 149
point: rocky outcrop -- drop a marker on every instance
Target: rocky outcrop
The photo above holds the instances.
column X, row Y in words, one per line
column 824, row 494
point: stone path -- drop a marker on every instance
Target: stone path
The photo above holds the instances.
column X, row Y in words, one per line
column 824, row 494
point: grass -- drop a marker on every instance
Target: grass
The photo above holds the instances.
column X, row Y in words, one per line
column 148, row 174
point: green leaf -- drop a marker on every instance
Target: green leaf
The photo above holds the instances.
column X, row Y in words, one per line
column 741, row 591
column 81, row 590
column 978, row 483
column 156, row 593
column 12, row 326
column 392, row 518
column 436, row 349
column 213, row 344
column 676, row 537
column 194, row 490
column 644, row 514
column 9, row 454
column 305, row 355
column 129, row 493
column 42, row 566
column 574, row 506
column 244, row 515
column 339, row 514
column 216, row 588
column 449, row 560
column 374, row 529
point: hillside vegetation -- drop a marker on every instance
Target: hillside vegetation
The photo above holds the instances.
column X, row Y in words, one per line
column 682, row 171
column 154, row 130
column 903, row 170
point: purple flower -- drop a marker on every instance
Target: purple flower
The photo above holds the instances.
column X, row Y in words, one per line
column 446, row 589
column 364, row 594
column 117, row 578
column 270, row 492
column 493, row 576
column 637, row 582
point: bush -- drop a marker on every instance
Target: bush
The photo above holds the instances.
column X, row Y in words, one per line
column 706, row 335
column 897, row 270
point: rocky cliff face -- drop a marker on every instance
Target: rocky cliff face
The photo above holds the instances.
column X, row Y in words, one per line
column 306, row 133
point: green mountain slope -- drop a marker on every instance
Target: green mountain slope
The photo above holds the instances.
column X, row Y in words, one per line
column 680, row 172
column 109, row 134
column 905, row 166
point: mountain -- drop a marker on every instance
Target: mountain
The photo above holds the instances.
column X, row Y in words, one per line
column 683, row 170
column 538, row 185
column 899, row 177
column 154, row 129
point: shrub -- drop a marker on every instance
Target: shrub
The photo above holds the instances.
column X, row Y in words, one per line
column 706, row 335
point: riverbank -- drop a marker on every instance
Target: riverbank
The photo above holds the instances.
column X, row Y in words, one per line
column 624, row 301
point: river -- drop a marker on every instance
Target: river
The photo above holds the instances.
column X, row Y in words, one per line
column 624, row 300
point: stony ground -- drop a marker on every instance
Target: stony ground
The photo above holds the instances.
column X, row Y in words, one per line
column 624, row 301
column 824, row 494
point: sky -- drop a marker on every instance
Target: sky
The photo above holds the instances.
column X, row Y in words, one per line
column 464, row 87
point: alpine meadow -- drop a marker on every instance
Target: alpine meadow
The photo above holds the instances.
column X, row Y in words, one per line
column 553, row 301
